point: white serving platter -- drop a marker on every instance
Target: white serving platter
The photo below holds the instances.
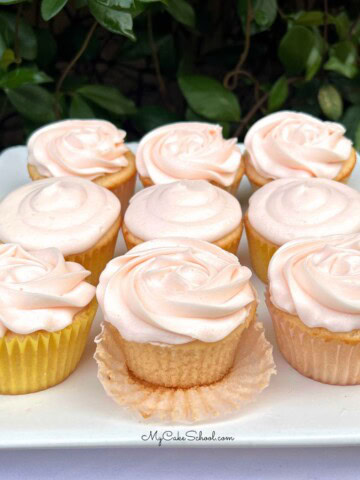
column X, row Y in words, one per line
column 292, row 411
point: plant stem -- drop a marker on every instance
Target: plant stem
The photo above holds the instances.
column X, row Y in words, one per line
column 231, row 78
column 250, row 114
column 326, row 19
column 70, row 65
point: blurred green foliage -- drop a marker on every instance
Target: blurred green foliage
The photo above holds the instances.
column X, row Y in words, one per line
column 143, row 63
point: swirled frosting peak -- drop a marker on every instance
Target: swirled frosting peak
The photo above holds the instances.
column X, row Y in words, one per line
column 291, row 144
column 69, row 213
column 319, row 281
column 291, row 208
column 188, row 150
column 84, row 148
column 39, row 290
column 175, row 290
column 191, row 208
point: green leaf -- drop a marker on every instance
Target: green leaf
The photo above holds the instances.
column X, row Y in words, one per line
column 209, row 98
column 109, row 98
column 343, row 59
column 351, row 121
column 311, row 18
column 79, row 108
column 182, row 11
column 330, row 102
column 8, row 57
column 111, row 18
column 50, row 8
column 33, row 102
column 295, row 49
column 153, row 116
column 278, row 94
column 23, row 76
column 342, row 25
column 264, row 14
column 27, row 38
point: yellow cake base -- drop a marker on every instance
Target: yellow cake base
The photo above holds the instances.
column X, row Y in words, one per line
column 317, row 353
column 147, row 182
column 260, row 250
column 96, row 258
column 39, row 360
column 229, row 242
column 121, row 183
column 256, row 180
column 182, row 366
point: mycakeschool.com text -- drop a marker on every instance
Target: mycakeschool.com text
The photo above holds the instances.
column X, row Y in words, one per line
column 190, row 436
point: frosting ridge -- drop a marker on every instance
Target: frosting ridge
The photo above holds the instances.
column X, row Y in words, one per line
column 39, row 290
column 291, row 208
column 292, row 144
column 319, row 280
column 174, row 291
column 188, row 150
column 69, row 213
column 85, row 148
column 191, row 208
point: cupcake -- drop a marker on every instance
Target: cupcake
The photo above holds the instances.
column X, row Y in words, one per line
column 177, row 308
column 189, row 208
column 291, row 208
column 90, row 149
column 290, row 144
column 189, row 151
column 313, row 299
column 76, row 216
column 46, row 311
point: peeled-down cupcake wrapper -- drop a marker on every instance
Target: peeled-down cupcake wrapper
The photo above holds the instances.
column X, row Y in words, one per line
column 253, row 367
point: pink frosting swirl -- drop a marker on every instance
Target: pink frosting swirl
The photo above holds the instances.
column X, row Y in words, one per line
column 291, row 144
column 290, row 208
column 174, row 291
column 84, row 148
column 39, row 290
column 319, row 281
column 190, row 208
column 188, row 150
column 69, row 213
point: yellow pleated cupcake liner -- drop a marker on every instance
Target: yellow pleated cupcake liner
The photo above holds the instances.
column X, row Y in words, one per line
column 230, row 242
column 34, row 362
column 96, row 258
column 317, row 353
column 260, row 251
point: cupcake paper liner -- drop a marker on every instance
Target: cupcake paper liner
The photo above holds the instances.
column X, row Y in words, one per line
column 249, row 375
column 260, row 251
column 96, row 258
column 230, row 242
column 39, row 360
column 316, row 353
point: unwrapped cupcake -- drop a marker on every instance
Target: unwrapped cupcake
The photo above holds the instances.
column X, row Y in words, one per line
column 176, row 311
column 189, row 151
column 291, row 208
column 79, row 217
column 187, row 208
column 46, row 311
column 313, row 299
column 291, row 144
column 90, row 149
